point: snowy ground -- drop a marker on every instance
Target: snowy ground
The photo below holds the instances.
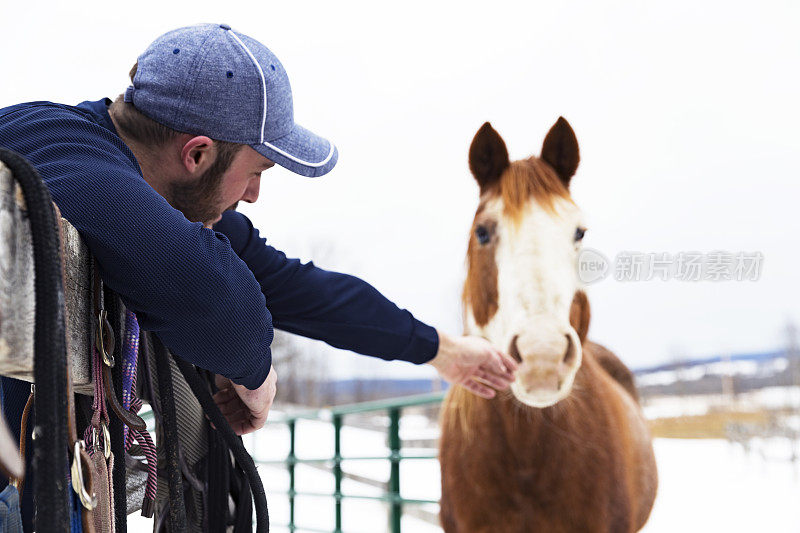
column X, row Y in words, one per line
column 705, row 485
column 711, row 485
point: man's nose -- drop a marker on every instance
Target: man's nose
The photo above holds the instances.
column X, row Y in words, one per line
column 251, row 192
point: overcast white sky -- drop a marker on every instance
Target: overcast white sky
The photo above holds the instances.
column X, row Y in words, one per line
column 686, row 112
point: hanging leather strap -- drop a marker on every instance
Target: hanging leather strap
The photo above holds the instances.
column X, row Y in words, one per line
column 19, row 480
column 12, row 465
column 81, row 469
column 104, row 342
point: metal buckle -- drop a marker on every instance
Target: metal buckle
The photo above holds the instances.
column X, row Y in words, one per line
column 89, row 501
column 106, row 447
column 105, row 338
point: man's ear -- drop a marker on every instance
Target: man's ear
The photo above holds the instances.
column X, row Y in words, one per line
column 197, row 154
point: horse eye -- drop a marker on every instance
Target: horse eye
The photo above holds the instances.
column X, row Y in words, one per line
column 482, row 234
column 579, row 233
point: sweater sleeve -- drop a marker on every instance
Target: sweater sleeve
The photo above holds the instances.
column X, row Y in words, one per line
column 183, row 281
column 342, row 310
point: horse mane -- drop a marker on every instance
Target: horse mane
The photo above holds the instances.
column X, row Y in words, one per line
column 462, row 402
column 526, row 179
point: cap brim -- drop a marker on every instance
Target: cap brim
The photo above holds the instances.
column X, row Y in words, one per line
column 301, row 151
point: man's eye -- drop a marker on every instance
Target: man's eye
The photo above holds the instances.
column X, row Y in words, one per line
column 482, row 234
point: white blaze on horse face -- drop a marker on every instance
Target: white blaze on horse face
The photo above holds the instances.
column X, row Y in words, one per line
column 536, row 281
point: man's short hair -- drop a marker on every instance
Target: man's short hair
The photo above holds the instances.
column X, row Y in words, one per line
column 133, row 124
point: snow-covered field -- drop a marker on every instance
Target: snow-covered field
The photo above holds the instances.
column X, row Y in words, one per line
column 711, row 485
column 700, row 404
column 705, row 485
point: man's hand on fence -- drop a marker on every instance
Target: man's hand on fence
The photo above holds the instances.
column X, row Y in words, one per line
column 475, row 364
column 245, row 409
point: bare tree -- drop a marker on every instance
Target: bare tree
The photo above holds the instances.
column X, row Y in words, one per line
column 302, row 370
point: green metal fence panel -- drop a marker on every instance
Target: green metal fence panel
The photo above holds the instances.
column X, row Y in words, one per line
column 335, row 416
column 394, row 477
column 337, row 469
column 291, row 462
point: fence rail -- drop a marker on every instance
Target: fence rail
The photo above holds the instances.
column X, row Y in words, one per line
column 335, row 416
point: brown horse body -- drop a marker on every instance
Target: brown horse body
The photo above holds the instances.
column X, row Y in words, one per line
column 584, row 463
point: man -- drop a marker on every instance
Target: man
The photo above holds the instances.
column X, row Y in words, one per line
column 151, row 182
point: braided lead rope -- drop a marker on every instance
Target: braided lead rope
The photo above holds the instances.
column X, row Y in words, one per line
column 130, row 357
column 149, row 449
column 130, row 350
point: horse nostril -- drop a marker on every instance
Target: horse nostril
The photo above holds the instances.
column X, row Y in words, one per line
column 513, row 351
column 569, row 357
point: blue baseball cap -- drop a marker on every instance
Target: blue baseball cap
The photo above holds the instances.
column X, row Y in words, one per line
column 210, row 80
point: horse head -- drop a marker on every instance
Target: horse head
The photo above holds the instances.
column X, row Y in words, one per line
column 522, row 291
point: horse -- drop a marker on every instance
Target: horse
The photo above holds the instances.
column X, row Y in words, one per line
column 567, row 448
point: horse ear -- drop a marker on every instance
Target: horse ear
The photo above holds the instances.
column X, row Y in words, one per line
column 580, row 314
column 488, row 156
column 560, row 150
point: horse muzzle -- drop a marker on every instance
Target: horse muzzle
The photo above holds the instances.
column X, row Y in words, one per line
column 549, row 355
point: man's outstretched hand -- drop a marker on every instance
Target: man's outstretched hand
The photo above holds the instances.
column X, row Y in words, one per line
column 245, row 409
column 475, row 364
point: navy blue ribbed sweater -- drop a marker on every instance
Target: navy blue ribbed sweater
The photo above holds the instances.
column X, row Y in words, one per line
column 212, row 296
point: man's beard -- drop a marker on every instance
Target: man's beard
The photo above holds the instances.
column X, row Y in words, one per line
column 198, row 200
